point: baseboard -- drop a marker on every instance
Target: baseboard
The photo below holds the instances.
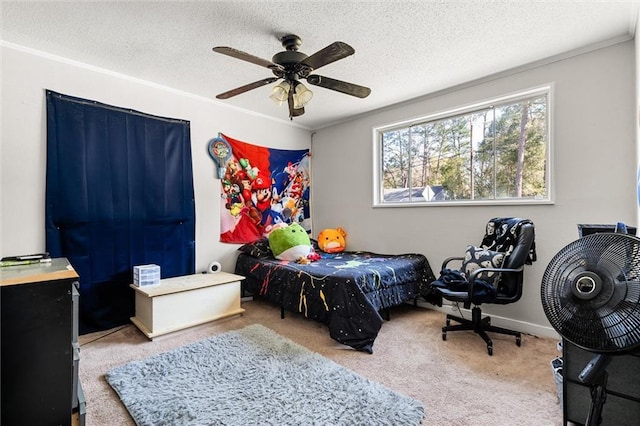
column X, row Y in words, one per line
column 510, row 323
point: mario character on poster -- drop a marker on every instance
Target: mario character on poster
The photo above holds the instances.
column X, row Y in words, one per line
column 262, row 187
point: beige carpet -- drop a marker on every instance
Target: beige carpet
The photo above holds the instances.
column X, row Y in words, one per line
column 457, row 381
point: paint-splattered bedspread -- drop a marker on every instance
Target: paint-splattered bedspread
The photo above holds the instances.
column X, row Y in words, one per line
column 345, row 291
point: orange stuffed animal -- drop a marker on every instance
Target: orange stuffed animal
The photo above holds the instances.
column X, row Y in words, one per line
column 332, row 240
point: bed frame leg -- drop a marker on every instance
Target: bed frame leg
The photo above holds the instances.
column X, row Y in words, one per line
column 385, row 314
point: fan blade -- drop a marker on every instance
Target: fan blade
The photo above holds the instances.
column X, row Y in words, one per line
column 331, row 53
column 293, row 112
column 238, row 54
column 246, row 88
column 339, row 86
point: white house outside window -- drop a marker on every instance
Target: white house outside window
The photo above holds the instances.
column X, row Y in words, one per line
column 496, row 152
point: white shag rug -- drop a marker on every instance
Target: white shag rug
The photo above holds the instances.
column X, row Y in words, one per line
column 254, row 376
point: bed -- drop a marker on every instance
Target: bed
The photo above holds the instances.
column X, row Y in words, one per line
column 346, row 291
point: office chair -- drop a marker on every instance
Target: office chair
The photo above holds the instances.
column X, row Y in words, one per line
column 491, row 273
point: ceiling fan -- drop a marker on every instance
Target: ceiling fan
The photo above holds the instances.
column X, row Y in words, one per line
column 291, row 66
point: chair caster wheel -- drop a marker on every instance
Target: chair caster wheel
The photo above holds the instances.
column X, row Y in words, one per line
column 518, row 341
column 490, row 350
column 444, row 336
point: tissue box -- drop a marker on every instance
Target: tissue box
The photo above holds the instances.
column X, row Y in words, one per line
column 146, row 275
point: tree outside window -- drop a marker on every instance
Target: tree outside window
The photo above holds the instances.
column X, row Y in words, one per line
column 495, row 152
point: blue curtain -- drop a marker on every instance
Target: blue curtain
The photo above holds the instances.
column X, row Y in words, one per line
column 119, row 193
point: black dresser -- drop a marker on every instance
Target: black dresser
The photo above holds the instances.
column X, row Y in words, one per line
column 622, row 405
column 40, row 352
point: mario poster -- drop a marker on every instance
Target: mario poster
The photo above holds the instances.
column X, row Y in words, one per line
column 262, row 187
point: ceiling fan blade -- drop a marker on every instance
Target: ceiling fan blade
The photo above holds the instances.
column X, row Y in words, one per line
column 238, row 54
column 339, row 86
column 293, row 112
column 333, row 52
column 246, row 88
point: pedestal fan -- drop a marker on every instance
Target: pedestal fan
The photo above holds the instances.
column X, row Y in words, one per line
column 591, row 296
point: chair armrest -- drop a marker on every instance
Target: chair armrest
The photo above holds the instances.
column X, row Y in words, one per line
column 450, row 259
column 472, row 278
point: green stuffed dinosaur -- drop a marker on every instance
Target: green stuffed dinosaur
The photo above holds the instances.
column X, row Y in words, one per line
column 291, row 243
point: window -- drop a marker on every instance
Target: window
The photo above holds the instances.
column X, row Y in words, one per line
column 493, row 152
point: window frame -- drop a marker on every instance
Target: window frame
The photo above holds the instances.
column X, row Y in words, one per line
column 543, row 90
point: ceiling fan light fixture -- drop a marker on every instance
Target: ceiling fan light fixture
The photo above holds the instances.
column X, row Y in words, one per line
column 301, row 96
column 280, row 92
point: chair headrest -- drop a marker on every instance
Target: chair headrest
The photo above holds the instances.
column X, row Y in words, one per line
column 514, row 236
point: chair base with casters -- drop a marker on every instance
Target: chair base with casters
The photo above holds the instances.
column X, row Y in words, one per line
column 480, row 326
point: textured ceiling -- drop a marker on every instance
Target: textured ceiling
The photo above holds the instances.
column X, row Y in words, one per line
column 404, row 49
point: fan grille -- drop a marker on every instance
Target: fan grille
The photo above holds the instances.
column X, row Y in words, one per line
column 591, row 292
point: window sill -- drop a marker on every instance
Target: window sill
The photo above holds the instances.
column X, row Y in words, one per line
column 467, row 203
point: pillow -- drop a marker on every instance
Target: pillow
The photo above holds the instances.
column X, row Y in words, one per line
column 259, row 249
column 478, row 257
column 332, row 240
column 290, row 243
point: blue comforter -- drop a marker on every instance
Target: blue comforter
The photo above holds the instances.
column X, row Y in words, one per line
column 346, row 291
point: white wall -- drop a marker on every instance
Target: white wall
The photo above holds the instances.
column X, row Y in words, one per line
column 26, row 75
column 637, row 111
column 594, row 172
column 594, row 147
